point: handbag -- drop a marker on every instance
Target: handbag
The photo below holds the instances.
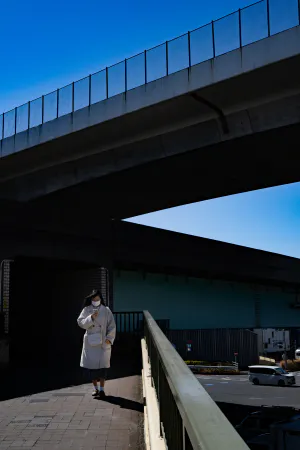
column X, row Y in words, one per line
column 94, row 339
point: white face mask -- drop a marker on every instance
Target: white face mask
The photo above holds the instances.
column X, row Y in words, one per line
column 96, row 303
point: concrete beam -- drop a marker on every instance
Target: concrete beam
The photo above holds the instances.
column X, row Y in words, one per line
column 35, row 244
column 279, row 113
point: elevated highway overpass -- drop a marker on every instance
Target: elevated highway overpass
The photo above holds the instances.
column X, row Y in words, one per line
column 223, row 126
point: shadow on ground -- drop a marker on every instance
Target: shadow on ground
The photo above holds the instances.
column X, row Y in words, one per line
column 124, row 403
column 20, row 381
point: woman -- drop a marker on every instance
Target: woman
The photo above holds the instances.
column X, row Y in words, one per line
column 98, row 321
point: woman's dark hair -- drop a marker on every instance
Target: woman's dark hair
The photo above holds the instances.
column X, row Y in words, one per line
column 91, row 296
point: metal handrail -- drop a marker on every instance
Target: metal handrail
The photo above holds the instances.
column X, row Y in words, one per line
column 204, row 426
column 14, row 129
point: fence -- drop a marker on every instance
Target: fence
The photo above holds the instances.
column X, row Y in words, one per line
column 240, row 28
column 216, row 345
column 189, row 418
column 129, row 322
column 133, row 322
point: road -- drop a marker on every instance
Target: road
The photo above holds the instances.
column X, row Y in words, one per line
column 237, row 389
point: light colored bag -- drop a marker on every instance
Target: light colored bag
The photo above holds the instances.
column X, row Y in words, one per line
column 94, row 339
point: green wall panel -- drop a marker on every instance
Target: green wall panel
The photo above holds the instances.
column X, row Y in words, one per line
column 192, row 303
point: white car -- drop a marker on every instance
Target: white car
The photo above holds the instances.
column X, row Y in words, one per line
column 270, row 375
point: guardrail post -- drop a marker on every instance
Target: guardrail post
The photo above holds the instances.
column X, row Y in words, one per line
column 125, row 76
column 189, row 49
column 57, row 104
column 28, row 115
column 213, row 38
column 73, row 96
column 90, row 90
column 268, row 18
column 167, row 58
column 145, row 64
column 16, row 109
column 43, row 108
column 240, row 28
column 159, row 396
column 106, row 77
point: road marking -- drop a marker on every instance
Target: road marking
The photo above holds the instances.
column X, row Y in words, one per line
column 255, row 398
column 224, row 382
column 226, row 378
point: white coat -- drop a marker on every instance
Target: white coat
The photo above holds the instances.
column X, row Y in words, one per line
column 97, row 357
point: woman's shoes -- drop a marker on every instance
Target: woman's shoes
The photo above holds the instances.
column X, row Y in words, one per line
column 102, row 394
column 97, row 393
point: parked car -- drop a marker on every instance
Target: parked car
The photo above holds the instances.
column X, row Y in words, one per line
column 271, row 375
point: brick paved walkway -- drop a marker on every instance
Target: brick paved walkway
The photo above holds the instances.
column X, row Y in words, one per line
column 71, row 419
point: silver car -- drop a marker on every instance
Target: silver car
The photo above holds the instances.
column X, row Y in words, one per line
column 272, row 375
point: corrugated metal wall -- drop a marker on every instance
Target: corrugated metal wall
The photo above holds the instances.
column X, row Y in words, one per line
column 217, row 345
column 5, row 292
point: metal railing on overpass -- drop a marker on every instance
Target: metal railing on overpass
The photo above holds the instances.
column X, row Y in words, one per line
column 242, row 27
column 189, row 418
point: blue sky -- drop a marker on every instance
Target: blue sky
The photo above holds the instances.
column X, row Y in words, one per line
column 46, row 45
column 267, row 219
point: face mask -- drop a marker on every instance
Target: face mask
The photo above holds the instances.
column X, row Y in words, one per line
column 96, row 303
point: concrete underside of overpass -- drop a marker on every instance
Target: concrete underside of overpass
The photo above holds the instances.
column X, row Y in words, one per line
column 256, row 162
column 216, row 284
column 127, row 246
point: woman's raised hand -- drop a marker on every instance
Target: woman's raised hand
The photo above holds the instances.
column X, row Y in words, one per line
column 95, row 314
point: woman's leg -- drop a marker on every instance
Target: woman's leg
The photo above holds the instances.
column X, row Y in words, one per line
column 96, row 390
column 102, row 382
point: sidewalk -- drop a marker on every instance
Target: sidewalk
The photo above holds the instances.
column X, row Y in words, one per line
column 71, row 419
